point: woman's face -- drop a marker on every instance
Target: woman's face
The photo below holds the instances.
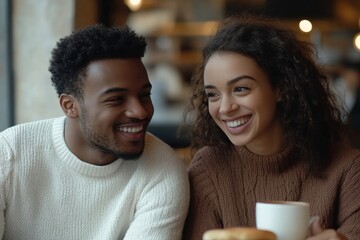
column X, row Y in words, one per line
column 242, row 102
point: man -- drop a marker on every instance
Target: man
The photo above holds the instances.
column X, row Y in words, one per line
column 95, row 173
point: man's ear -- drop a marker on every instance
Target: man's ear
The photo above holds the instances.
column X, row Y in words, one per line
column 69, row 105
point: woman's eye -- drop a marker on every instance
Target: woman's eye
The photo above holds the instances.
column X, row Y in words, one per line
column 212, row 97
column 241, row 89
column 210, row 94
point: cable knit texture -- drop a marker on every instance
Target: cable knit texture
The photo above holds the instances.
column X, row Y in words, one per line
column 225, row 186
column 46, row 192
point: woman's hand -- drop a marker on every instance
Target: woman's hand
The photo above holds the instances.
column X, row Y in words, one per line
column 317, row 232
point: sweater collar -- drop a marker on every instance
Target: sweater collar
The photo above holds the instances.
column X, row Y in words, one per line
column 74, row 163
column 278, row 162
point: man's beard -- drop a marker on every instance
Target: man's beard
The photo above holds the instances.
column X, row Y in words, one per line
column 102, row 143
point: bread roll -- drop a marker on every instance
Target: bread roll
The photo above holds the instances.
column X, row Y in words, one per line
column 238, row 233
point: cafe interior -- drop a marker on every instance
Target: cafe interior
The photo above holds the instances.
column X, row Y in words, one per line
column 176, row 31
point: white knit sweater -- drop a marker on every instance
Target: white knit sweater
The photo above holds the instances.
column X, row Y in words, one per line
column 46, row 192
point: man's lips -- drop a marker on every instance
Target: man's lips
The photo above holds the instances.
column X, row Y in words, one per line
column 131, row 129
column 131, row 132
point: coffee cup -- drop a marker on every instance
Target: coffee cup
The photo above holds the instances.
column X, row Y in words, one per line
column 289, row 220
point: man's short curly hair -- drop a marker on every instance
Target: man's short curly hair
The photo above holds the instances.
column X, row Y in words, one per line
column 73, row 53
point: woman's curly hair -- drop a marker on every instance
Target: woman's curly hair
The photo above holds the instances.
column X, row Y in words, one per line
column 308, row 109
column 73, row 53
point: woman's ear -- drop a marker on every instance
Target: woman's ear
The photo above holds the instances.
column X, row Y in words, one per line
column 278, row 95
column 69, row 105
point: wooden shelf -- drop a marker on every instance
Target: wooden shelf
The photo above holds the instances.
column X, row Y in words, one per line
column 186, row 29
column 180, row 59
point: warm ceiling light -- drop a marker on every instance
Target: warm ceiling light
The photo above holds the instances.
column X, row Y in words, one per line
column 305, row 25
column 357, row 41
column 134, row 5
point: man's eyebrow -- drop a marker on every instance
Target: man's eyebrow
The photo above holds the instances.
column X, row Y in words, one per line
column 117, row 89
column 232, row 81
column 113, row 90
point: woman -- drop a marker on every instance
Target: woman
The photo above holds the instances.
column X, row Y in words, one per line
column 267, row 128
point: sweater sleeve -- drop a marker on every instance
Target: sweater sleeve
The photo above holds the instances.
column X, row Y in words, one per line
column 5, row 166
column 162, row 207
column 349, row 211
column 203, row 214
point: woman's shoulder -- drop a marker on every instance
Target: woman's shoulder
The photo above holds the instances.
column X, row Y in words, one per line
column 214, row 153
column 345, row 157
column 346, row 152
column 212, row 150
column 211, row 158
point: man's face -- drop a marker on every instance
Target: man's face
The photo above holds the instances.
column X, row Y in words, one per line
column 116, row 107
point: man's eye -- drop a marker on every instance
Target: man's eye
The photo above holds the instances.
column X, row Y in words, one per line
column 147, row 94
column 116, row 99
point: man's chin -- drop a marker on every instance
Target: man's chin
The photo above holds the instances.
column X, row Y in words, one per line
column 130, row 156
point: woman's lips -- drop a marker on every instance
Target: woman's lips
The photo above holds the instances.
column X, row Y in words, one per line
column 238, row 122
column 238, row 125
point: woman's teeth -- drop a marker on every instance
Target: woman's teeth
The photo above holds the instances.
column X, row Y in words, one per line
column 237, row 123
column 131, row 129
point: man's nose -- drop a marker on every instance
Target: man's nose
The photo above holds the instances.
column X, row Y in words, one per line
column 135, row 109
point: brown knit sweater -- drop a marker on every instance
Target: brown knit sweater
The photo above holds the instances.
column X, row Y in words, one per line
column 226, row 186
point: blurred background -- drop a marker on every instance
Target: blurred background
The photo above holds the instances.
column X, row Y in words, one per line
column 176, row 30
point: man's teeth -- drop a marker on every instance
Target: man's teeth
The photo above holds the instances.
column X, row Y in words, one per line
column 131, row 129
column 237, row 123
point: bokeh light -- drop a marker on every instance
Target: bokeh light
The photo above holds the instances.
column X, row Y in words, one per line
column 357, row 41
column 305, row 25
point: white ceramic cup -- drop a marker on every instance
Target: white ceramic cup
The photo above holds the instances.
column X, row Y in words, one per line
column 288, row 220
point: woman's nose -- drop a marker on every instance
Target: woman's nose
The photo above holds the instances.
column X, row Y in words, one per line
column 227, row 105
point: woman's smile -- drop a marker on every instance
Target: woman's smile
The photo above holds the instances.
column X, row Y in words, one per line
column 238, row 122
column 241, row 100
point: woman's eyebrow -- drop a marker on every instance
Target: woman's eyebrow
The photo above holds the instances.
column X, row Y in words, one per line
column 209, row 87
column 231, row 81
column 234, row 80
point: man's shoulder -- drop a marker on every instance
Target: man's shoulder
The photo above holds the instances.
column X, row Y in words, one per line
column 25, row 131
column 157, row 146
column 29, row 126
column 158, row 153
